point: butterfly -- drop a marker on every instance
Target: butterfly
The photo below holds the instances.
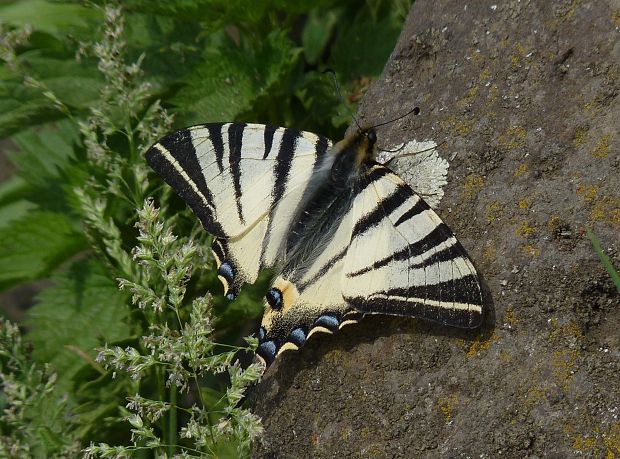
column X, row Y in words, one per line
column 346, row 236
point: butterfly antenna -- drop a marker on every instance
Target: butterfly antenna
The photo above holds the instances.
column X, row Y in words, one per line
column 337, row 87
column 414, row 110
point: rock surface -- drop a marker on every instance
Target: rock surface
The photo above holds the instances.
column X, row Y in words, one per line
column 525, row 96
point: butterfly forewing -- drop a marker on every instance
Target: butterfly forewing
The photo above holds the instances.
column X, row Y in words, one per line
column 404, row 260
column 244, row 182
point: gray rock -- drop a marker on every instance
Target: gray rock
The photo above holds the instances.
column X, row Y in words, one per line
column 524, row 94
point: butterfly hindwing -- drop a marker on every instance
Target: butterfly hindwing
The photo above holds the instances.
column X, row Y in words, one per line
column 404, row 260
column 244, row 182
column 307, row 299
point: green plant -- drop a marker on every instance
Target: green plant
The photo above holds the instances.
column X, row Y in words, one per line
column 596, row 244
column 84, row 90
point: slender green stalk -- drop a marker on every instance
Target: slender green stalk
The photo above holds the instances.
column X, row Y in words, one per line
column 604, row 258
column 172, row 421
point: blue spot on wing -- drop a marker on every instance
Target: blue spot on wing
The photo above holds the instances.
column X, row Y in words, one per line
column 327, row 321
column 274, row 298
column 227, row 272
column 297, row 337
column 261, row 334
column 267, row 351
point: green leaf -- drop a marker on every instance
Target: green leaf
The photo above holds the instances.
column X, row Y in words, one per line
column 77, row 84
column 14, row 211
column 35, row 244
column 21, row 107
column 46, row 162
column 52, row 17
column 12, row 204
column 13, row 189
column 317, row 32
column 44, row 153
column 83, row 310
column 212, row 12
column 229, row 80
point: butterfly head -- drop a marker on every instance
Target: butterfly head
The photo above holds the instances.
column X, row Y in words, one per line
column 371, row 135
column 353, row 152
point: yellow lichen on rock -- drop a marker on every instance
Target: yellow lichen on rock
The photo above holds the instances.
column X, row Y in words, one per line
column 514, row 137
column 521, row 170
column 472, row 185
column 526, row 230
column 494, row 211
column 447, row 405
column 601, row 150
column 480, row 344
column 607, row 209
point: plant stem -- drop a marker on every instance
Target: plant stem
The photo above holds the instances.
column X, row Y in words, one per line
column 604, row 258
column 172, row 421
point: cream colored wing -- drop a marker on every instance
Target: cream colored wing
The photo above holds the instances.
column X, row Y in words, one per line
column 244, row 182
column 404, row 260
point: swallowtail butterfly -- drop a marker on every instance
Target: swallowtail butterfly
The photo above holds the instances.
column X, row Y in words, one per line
column 345, row 234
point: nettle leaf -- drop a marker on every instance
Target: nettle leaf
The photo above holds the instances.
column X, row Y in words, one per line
column 14, row 211
column 218, row 12
column 13, row 206
column 52, row 17
column 83, row 310
column 170, row 47
column 35, row 244
column 21, row 107
column 13, row 189
column 45, row 161
column 230, row 80
column 76, row 84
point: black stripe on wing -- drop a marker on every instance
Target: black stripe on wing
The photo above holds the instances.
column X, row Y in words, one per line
column 437, row 236
column 235, row 144
column 384, row 207
column 215, row 135
column 284, row 161
column 268, row 139
column 323, row 270
column 179, row 148
column 388, row 304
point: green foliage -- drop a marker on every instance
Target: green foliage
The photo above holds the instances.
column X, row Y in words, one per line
column 34, row 422
column 85, row 88
column 35, row 244
column 83, row 297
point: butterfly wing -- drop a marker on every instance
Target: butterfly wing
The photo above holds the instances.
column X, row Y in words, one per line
column 244, row 182
column 403, row 260
column 389, row 254
column 306, row 300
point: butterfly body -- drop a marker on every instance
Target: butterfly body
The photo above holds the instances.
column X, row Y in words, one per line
column 346, row 235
